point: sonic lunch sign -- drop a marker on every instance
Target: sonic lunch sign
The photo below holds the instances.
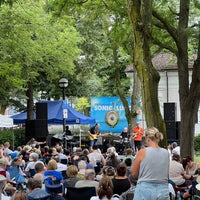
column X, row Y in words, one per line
column 109, row 113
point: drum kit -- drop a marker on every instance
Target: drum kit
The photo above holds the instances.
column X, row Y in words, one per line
column 121, row 145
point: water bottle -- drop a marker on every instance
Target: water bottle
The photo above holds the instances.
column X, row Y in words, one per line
column 178, row 195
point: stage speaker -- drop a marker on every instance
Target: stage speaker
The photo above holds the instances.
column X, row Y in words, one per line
column 36, row 129
column 170, row 112
column 171, row 130
column 41, row 110
column 178, row 130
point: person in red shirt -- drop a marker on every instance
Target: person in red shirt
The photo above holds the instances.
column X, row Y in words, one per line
column 137, row 136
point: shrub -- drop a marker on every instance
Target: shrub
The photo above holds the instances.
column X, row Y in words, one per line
column 14, row 136
column 197, row 143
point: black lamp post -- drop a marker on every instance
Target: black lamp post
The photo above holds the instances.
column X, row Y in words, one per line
column 63, row 83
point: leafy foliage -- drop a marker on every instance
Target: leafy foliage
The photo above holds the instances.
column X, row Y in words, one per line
column 13, row 135
column 34, row 49
column 197, row 143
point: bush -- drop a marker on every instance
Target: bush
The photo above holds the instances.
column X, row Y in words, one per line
column 16, row 136
column 197, row 143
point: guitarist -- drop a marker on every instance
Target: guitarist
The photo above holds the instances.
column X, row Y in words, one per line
column 94, row 132
column 137, row 136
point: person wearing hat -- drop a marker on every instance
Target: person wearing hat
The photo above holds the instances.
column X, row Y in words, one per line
column 3, row 165
column 30, row 168
column 175, row 148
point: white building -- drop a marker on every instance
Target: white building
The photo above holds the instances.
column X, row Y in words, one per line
column 168, row 85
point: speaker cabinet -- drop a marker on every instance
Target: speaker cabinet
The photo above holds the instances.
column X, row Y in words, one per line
column 170, row 112
column 36, row 129
column 173, row 130
column 41, row 110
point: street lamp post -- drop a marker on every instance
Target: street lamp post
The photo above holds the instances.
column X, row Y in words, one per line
column 63, row 83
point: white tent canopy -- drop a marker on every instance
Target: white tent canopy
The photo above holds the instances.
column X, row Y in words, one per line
column 6, row 122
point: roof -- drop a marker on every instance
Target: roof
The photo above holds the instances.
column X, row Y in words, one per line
column 164, row 61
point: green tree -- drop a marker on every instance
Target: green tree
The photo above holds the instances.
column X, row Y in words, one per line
column 45, row 49
column 106, row 50
column 83, row 105
column 179, row 33
column 140, row 18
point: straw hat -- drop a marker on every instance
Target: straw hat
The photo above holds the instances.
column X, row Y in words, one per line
column 27, row 148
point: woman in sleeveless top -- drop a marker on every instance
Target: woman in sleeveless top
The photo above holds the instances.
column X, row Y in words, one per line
column 151, row 166
column 191, row 168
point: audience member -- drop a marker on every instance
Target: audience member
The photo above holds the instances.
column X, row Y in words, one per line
column 60, row 167
column 3, row 166
column 89, row 180
column 175, row 148
column 53, row 177
column 30, row 168
column 105, row 190
column 35, row 189
column 19, row 195
column 128, row 163
column 112, row 160
column 87, row 161
column 61, row 155
column 129, row 154
column 96, row 159
column 39, row 172
column 190, row 167
column 151, row 166
column 121, row 182
column 106, row 171
column 128, row 195
column 82, row 166
column 72, row 172
column 2, row 187
column 177, row 173
column 7, row 151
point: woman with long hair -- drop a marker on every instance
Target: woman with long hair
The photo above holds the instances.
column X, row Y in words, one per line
column 105, row 190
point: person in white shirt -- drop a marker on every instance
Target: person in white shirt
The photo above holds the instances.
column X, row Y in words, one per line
column 176, row 148
column 89, row 180
column 7, row 151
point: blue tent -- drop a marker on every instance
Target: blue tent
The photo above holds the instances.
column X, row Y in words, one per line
column 55, row 114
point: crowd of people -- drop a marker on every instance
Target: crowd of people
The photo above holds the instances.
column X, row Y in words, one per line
column 145, row 171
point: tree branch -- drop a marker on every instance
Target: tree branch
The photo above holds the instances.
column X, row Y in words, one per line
column 163, row 45
column 171, row 30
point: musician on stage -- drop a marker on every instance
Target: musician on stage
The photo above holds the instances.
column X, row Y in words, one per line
column 94, row 132
column 67, row 131
column 137, row 134
column 124, row 134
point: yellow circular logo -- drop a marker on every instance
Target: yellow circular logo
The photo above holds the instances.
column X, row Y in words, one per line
column 112, row 118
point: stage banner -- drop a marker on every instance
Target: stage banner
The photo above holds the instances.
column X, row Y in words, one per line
column 109, row 113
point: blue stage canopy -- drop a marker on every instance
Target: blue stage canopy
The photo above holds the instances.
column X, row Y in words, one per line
column 55, row 114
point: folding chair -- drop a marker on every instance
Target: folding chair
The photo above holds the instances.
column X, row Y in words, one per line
column 196, row 197
column 80, row 193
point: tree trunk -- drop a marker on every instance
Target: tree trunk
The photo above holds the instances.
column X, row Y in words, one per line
column 140, row 13
column 130, row 113
column 189, row 108
column 189, row 94
column 30, row 103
